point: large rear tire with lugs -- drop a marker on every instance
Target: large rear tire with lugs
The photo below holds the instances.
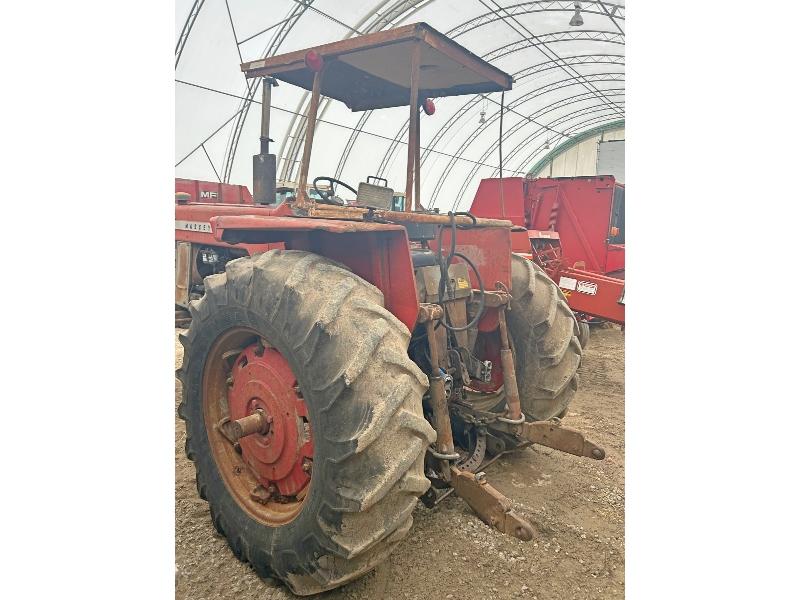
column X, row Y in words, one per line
column 545, row 336
column 303, row 339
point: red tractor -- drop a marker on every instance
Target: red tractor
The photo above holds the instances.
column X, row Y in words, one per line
column 572, row 227
column 344, row 360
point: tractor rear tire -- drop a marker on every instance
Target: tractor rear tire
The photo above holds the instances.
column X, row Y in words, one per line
column 544, row 332
column 364, row 401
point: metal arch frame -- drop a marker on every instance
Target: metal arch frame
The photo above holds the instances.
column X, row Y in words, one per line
column 583, row 136
column 605, row 125
column 582, row 35
column 572, row 100
column 253, row 85
column 398, row 9
column 450, row 166
column 562, row 119
column 535, row 93
column 518, row 46
column 519, row 28
column 401, row 9
column 536, row 134
column 575, row 127
column 469, row 104
column 502, row 51
column 520, row 9
column 564, row 102
column 561, row 103
column 351, row 141
column 296, row 132
column 528, row 71
column 586, row 59
column 610, row 16
column 528, row 140
column 187, row 29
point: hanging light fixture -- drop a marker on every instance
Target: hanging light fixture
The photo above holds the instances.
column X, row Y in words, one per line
column 577, row 19
column 482, row 120
column 547, row 144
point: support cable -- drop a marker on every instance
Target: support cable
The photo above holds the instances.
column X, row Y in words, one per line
column 292, row 112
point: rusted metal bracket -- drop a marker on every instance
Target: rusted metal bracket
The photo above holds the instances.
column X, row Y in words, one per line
column 491, row 506
column 553, row 435
column 492, row 299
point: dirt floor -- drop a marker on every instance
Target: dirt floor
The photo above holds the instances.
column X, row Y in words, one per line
column 576, row 505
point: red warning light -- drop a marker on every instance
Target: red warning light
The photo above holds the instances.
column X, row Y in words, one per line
column 313, row 60
column 428, row 106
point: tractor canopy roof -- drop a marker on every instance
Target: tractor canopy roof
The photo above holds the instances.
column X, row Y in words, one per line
column 374, row 70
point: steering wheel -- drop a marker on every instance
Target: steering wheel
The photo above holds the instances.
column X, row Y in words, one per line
column 327, row 196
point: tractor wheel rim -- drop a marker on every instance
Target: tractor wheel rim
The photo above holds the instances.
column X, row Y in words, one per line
column 268, row 474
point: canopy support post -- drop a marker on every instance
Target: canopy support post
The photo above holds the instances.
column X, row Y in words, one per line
column 302, row 196
column 413, row 130
column 417, row 180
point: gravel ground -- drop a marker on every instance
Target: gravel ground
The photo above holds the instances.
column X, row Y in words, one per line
column 576, row 506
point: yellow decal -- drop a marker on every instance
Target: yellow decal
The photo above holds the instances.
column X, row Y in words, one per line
column 462, row 284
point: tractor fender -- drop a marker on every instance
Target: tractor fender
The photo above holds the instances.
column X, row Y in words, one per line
column 376, row 252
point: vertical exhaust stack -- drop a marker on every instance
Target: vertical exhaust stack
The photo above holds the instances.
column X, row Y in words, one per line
column 264, row 165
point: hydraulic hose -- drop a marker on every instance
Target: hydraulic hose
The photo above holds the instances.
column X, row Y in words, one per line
column 444, row 266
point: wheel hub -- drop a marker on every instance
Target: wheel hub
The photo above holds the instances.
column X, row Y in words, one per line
column 262, row 383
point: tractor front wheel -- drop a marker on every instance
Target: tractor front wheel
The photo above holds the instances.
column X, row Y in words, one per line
column 299, row 354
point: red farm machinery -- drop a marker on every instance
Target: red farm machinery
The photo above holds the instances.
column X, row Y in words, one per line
column 343, row 360
column 572, row 227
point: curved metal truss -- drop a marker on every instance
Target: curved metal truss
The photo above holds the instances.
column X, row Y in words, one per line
column 574, row 141
column 525, row 8
column 253, row 85
column 390, row 13
column 187, row 29
column 297, row 133
column 620, row 92
column 599, row 113
column 517, row 46
column 533, row 94
column 473, row 102
column 523, row 144
column 581, row 35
